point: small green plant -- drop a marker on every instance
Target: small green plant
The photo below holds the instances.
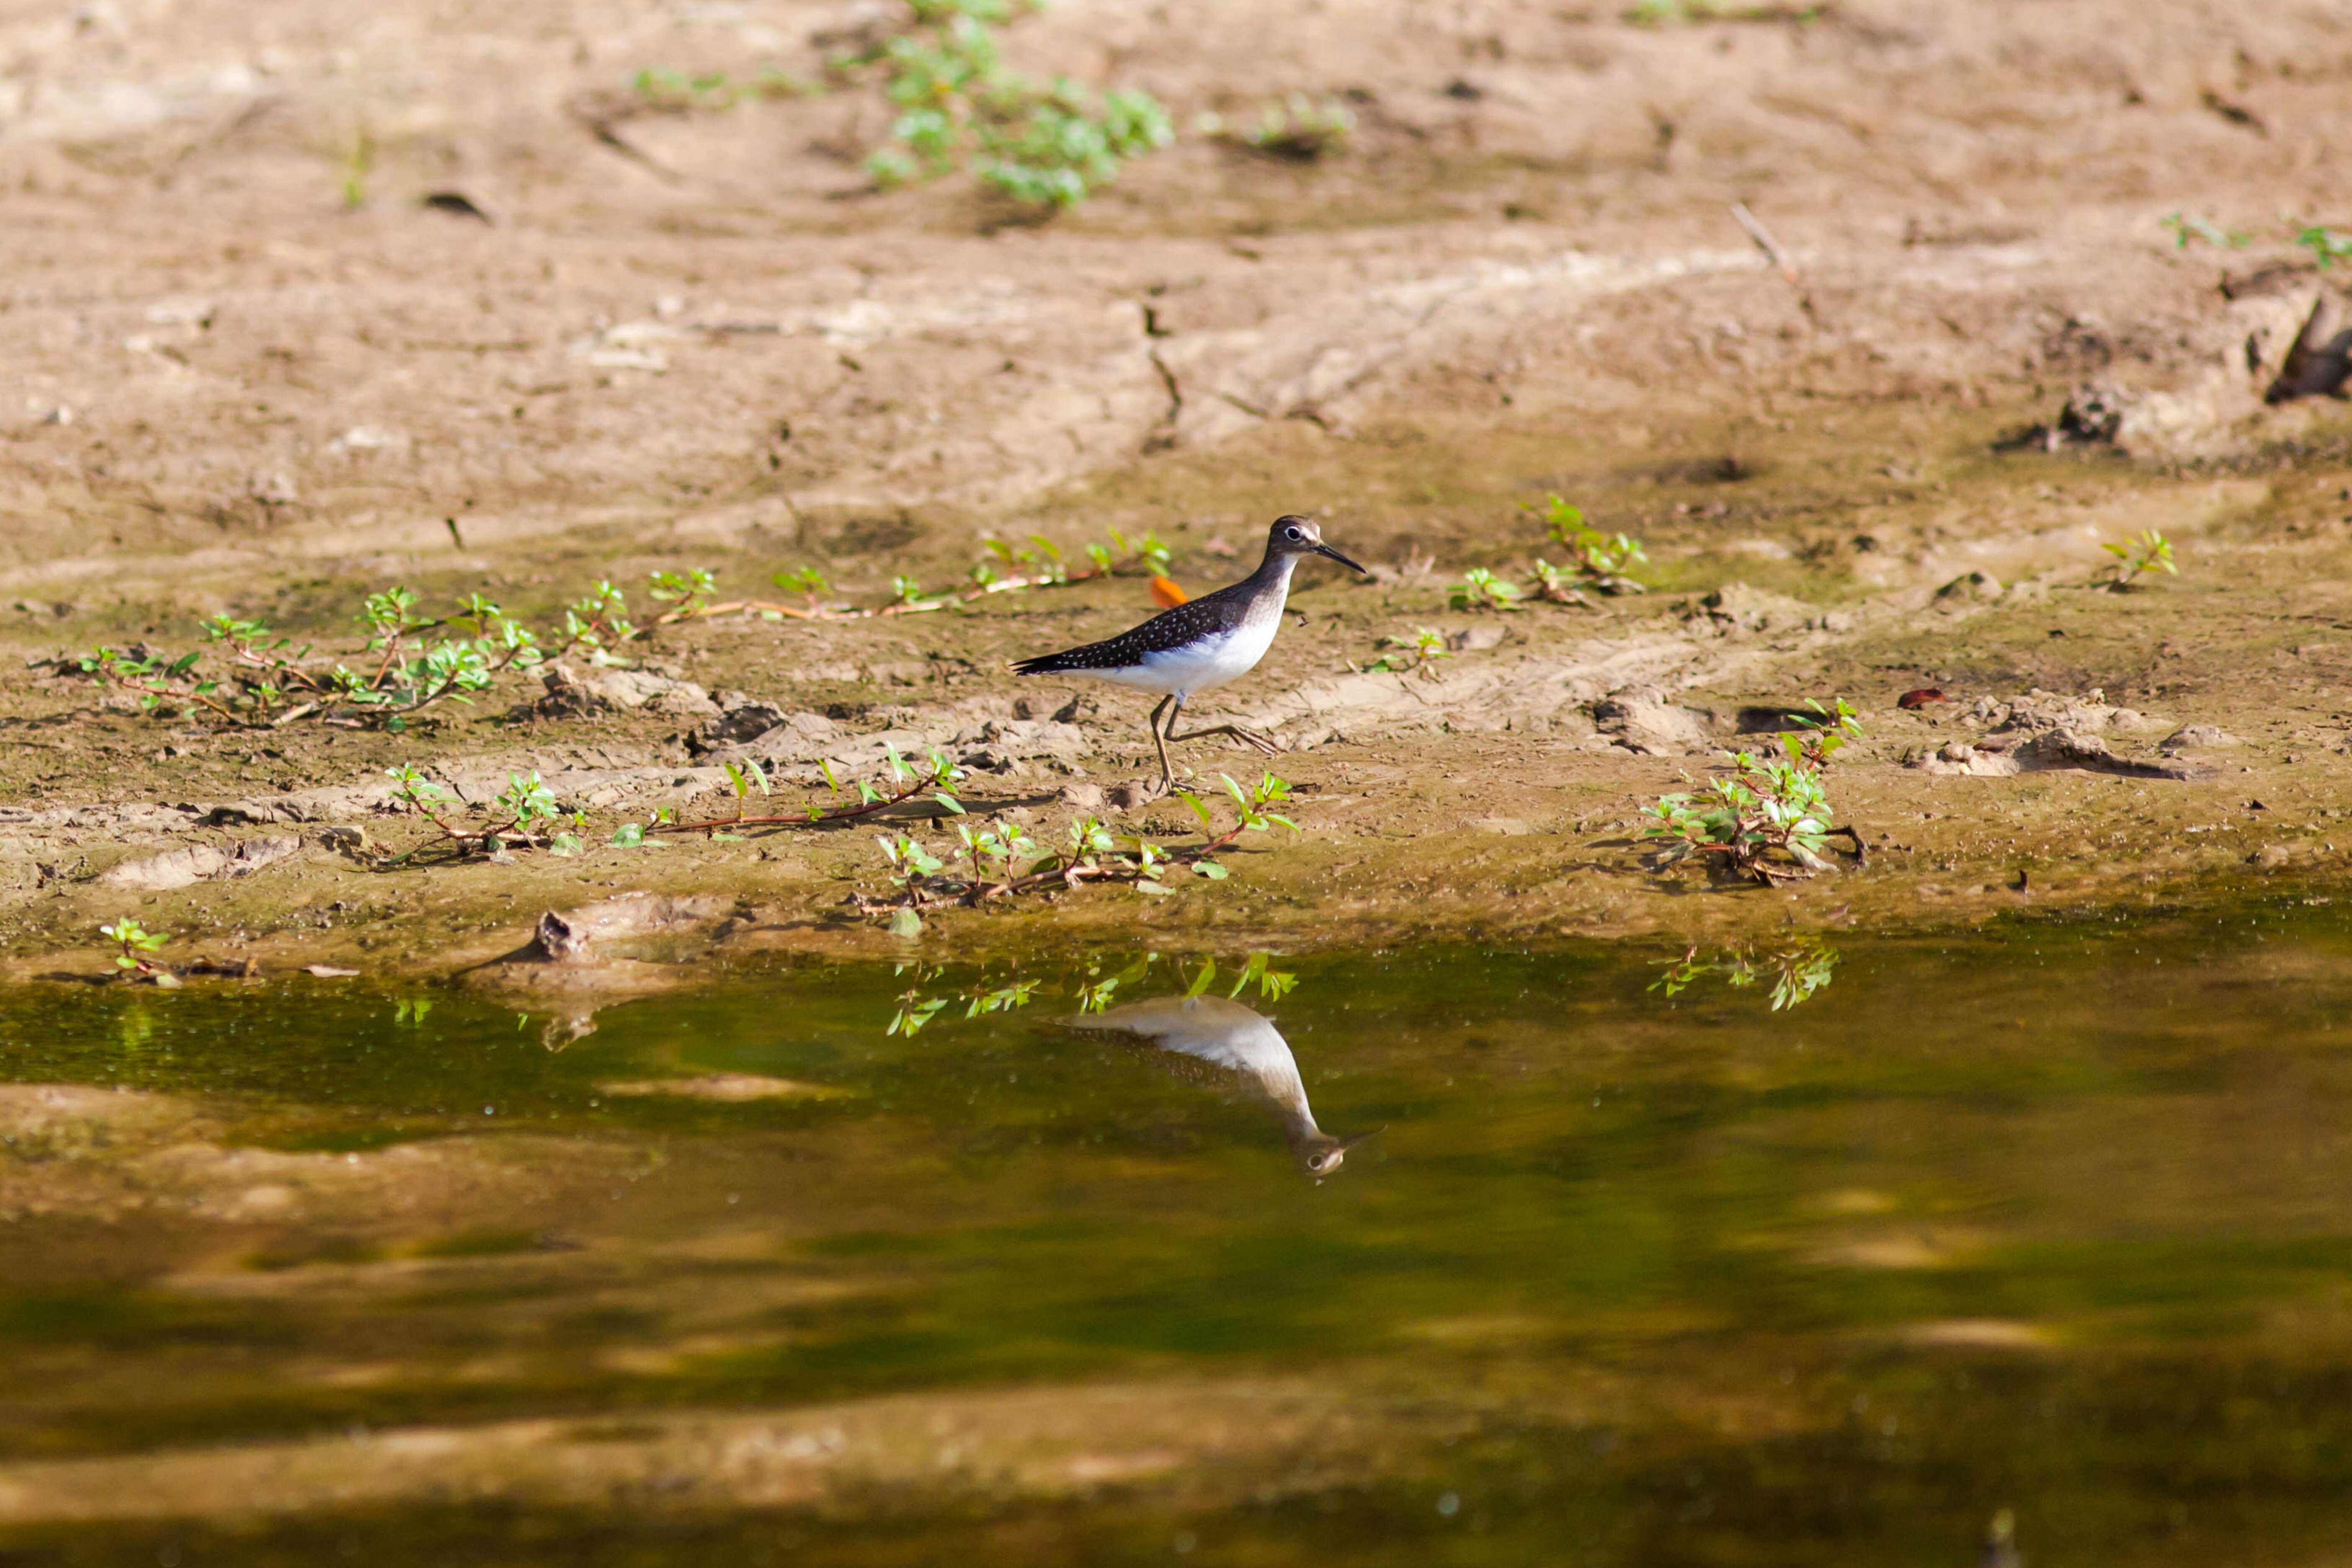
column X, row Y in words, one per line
column 527, row 804
column 668, row 90
column 1037, row 560
column 355, row 162
column 136, row 946
column 1600, row 561
column 743, row 778
column 2326, row 246
column 688, row 594
column 2143, row 552
column 1144, row 555
column 1062, row 148
column 998, row 859
column 1555, row 586
column 1038, row 563
column 807, row 582
column 663, row 88
column 1820, row 733
column 1771, row 819
column 1417, row 652
column 2185, row 227
column 518, row 812
column 413, row 792
column 1482, row 590
column 1008, row 567
column 596, row 621
column 409, row 663
column 902, row 782
column 155, row 681
column 1299, row 128
column 1797, row 971
column 1042, row 144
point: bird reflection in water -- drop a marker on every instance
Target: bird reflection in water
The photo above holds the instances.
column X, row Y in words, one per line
column 1212, row 1040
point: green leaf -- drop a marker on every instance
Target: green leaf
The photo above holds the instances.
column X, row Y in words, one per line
column 1152, row 888
column 1201, row 981
column 1209, row 869
column 628, row 835
column 905, row 922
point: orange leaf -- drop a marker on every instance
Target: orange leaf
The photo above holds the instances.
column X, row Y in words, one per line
column 1167, row 594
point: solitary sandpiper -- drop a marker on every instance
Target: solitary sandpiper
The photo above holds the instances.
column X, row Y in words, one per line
column 1201, row 645
column 1223, row 1043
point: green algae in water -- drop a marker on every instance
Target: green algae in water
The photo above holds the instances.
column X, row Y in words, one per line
column 2050, row 1219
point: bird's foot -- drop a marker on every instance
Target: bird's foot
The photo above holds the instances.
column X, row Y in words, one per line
column 1246, row 737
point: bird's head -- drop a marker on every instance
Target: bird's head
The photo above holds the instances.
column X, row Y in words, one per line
column 1302, row 536
column 1319, row 1154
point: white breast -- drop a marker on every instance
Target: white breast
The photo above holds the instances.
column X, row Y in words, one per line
column 1198, row 667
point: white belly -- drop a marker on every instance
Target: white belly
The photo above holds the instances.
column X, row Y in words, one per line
column 1204, row 666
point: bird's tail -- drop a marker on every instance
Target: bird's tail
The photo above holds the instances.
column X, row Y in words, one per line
column 1049, row 663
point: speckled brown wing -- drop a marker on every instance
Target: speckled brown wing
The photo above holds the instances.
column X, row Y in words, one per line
column 1210, row 615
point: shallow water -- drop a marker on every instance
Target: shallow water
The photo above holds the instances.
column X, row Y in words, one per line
column 2052, row 1220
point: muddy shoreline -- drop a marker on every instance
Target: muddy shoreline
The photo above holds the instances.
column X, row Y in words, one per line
column 1888, row 457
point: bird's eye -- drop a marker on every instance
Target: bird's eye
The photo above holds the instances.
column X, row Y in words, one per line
column 1293, row 533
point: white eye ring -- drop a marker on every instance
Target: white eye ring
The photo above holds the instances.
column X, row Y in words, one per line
column 1294, row 534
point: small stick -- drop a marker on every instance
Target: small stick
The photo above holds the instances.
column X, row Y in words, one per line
column 1764, row 240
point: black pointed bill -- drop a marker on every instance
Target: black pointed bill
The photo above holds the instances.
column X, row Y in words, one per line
column 1326, row 550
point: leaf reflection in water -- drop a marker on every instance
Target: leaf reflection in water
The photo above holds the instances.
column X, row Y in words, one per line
column 1093, row 990
column 1797, row 971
